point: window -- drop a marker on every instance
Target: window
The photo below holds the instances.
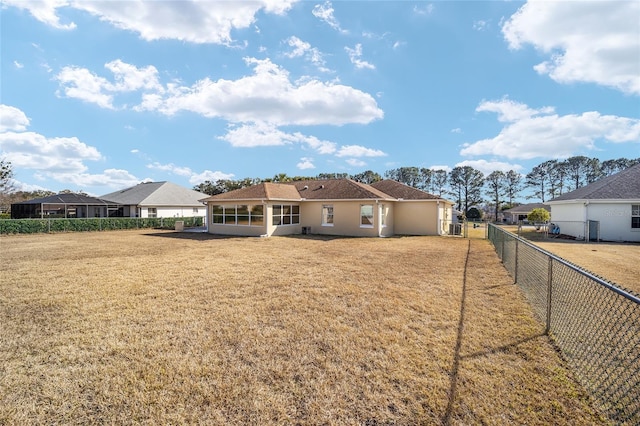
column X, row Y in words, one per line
column 256, row 216
column 242, row 212
column 229, row 215
column 195, row 210
column 286, row 214
column 327, row 215
column 152, row 212
column 635, row 216
column 243, row 215
column 366, row 216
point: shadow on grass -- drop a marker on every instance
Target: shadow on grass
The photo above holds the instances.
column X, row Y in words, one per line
column 453, row 393
column 194, row 236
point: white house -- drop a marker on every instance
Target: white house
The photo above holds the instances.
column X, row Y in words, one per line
column 607, row 210
column 158, row 199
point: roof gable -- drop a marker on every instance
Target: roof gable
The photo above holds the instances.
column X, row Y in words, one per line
column 624, row 185
column 156, row 194
column 261, row 191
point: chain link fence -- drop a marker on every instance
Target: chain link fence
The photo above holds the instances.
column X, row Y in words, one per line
column 595, row 324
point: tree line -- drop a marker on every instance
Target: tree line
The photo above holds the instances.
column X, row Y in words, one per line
column 467, row 186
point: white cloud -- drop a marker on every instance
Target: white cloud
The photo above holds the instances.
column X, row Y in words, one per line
column 80, row 83
column 480, row 25
column 595, row 42
column 266, row 96
column 194, row 178
column 264, row 134
column 487, row 167
column 12, row 118
column 31, row 150
column 269, row 96
column 196, row 21
column 129, row 78
column 531, row 133
column 359, row 151
column 171, row 168
column 111, row 178
column 305, row 163
column 324, row 12
column 18, row 64
column 456, row 130
column 304, row 49
column 438, row 167
column 354, row 57
column 424, row 9
column 43, row 10
column 198, row 178
column 354, row 162
column 510, row 111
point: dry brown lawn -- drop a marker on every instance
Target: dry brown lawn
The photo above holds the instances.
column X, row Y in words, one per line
column 616, row 262
column 154, row 327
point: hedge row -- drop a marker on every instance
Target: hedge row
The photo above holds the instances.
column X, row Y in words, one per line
column 34, row 226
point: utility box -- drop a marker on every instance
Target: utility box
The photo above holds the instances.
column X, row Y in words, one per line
column 179, row 226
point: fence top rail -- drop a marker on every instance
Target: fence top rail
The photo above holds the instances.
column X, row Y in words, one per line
column 632, row 297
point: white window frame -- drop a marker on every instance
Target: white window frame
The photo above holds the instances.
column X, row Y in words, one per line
column 327, row 212
column 373, row 215
column 635, row 213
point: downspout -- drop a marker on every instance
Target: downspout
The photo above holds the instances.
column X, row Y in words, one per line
column 438, row 223
column 379, row 221
column 586, row 222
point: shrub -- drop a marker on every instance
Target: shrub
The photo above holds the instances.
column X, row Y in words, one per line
column 538, row 215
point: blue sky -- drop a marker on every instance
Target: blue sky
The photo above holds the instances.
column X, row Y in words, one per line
column 101, row 95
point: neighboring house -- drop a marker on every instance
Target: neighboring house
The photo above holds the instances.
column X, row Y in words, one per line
column 67, row 205
column 330, row 207
column 519, row 213
column 608, row 209
column 158, row 199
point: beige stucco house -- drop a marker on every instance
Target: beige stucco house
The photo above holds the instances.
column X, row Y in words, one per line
column 328, row 207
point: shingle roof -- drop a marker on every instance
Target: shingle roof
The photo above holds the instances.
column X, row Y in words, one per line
column 325, row 189
column 526, row 208
column 624, row 185
column 400, row 190
column 262, row 191
column 337, row 189
column 157, row 194
column 66, row 198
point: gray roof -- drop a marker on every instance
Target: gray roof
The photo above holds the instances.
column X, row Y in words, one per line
column 526, row 208
column 67, row 198
column 624, row 185
column 157, row 194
